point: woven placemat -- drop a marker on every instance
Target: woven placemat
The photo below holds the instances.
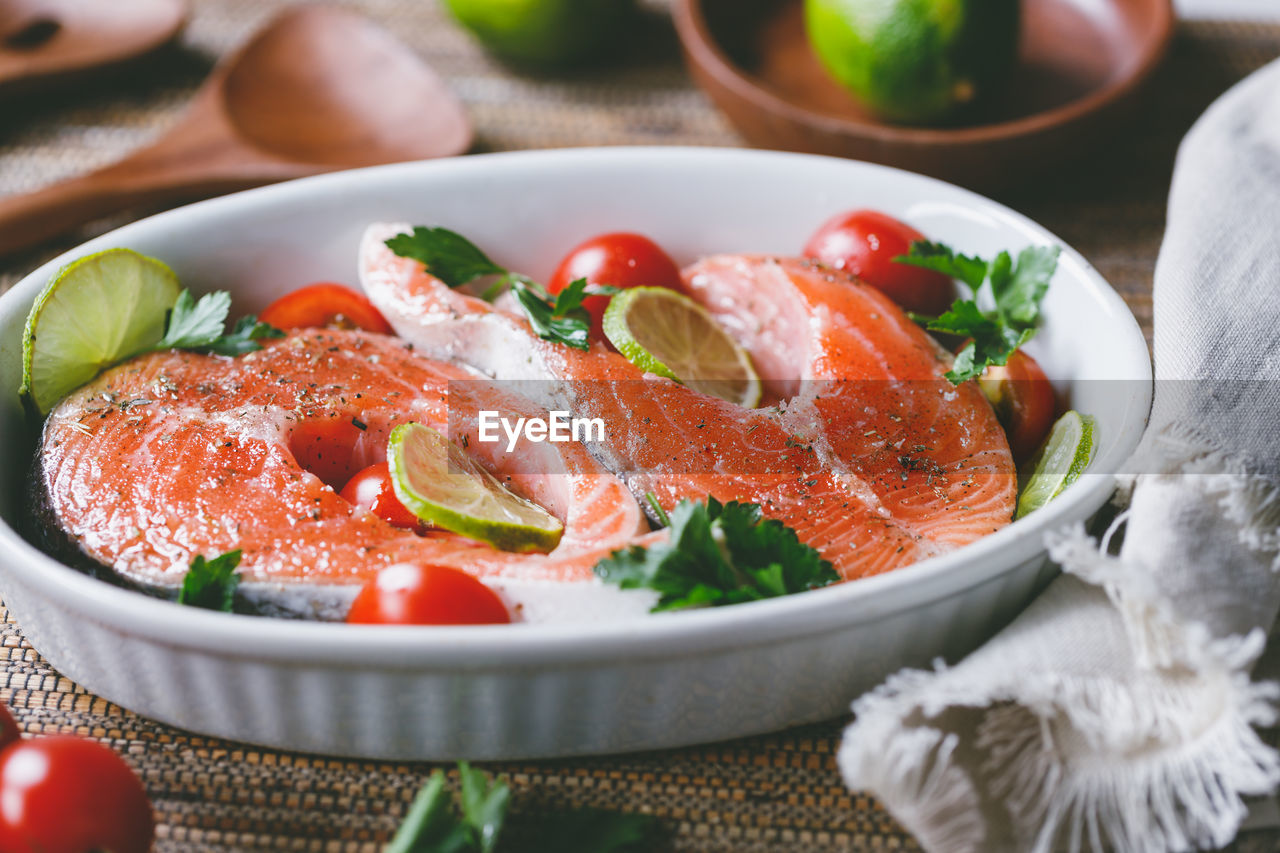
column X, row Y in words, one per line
column 779, row 792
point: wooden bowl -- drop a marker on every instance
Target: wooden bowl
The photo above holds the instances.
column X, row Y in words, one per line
column 1080, row 65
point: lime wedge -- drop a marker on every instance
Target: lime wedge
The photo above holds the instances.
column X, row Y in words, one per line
column 96, row 311
column 1061, row 460
column 668, row 334
column 441, row 485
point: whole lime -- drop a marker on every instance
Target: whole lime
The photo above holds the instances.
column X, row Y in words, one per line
column 547, row 32
column 915, row 61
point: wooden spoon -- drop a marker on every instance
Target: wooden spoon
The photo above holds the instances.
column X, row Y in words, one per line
column 43, row 41
column 319, row 89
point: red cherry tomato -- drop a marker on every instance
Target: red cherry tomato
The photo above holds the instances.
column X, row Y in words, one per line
column 325, row 305
column 1023, row 400
column 326, row 448
column 620, row 259
column 65, row 794
column 371, row 489
column 410, row 594
column 865, row 242
column 9, row 731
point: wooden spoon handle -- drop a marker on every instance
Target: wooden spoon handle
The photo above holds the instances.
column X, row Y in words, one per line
column 37, row 216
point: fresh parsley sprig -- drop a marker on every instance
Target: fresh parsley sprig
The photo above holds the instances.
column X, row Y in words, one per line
column 719, row 554
column 456, row 261
column 211, row 584
column 1017, row 289
column 436, row 824
column 563, row 320
column 200, row 325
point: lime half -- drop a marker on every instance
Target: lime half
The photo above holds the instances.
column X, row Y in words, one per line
column 441, row 485
column 668, row 334
column 1060, row 461
column 95, row 312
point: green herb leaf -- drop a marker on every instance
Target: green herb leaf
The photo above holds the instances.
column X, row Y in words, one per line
column 484, row 805
column 562, row 320
column 431, row 825
column 1019, row 293
column 447, row 255
column 719, row 554
column 193, row 324
column 1017, row 290
column 942, row 258
column 434, row 825
column 596, row 831
column 244, row 337
column 211, row 584
column 198, row 325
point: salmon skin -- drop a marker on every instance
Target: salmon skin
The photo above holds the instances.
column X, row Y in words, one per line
column 870, row 454
column 176, row 454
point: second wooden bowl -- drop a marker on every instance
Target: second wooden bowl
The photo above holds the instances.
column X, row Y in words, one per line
column 1080, row 65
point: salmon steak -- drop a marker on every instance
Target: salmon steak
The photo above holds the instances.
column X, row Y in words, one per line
column 863, row 447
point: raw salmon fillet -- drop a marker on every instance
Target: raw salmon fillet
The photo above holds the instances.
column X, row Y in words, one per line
column 866, row 451
column 176, row 454
column 869, row 454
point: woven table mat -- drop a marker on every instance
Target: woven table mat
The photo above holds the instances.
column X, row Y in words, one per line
column 778, row 792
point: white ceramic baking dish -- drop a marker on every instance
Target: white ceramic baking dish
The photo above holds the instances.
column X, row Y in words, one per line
column 547, row 690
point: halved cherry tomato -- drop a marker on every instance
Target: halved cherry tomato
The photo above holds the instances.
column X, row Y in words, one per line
column 66, row 794
column 326, row 447
column 620, row 259
column 410, row 594
column 1023, row 400
column 325, row 305
column 865, row 242
column 371, row 489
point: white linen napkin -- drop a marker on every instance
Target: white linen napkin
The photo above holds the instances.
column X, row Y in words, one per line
column 1117, row 712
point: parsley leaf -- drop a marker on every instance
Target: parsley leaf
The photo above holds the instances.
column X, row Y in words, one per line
column 455, row 260
column 484, row 805
column 436, row 823
column 941, row 258
column 244, row 337
column 198, row 325
column 211, row 584
column 1017, row 290
column 1020, row 289
column 562, row 320
column 430, row 826
column 596, row 831
column 447, row 255
column 719, row 554
column 195, row 324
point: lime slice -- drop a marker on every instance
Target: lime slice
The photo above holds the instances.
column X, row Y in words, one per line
column 441, row 485
column 668, row 334
column 95, row 312
column 1060, row 461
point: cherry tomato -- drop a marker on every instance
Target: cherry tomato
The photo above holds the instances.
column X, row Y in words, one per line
column 620, row 259
column 9, row 731
column 410, row 594
column 1023, row 400
column 325, row 305
column 66, row 794
column 371, row 489
column 326, row 447
column 865, row 242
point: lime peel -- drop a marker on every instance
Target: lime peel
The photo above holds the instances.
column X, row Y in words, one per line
column 96, row 311
column 441, row 485
column 1064, row 456
column 667, row 334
